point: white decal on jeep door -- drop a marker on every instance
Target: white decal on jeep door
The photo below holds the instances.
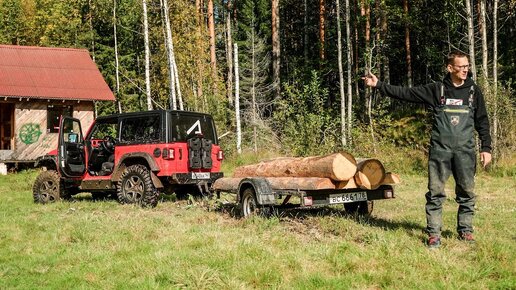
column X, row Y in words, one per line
column 196, row 124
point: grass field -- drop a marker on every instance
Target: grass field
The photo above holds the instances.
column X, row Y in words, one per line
column 104, row 245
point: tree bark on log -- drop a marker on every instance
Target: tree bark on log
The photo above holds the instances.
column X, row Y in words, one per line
column 370, row 173
column 338, row 166
column 294, row 183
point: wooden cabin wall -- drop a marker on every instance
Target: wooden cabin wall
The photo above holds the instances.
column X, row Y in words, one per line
column 32, row 138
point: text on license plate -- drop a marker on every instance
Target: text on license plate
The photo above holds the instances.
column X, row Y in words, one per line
column 200, row 175
column 348, row 197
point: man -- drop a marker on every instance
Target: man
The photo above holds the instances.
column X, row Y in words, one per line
column 459, row 107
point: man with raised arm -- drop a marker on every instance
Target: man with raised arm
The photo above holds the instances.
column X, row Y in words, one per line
column 459, row 108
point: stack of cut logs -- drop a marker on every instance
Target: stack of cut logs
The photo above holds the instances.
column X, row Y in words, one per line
column 334, row 171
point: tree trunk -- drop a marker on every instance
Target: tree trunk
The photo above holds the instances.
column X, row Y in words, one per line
column 341, row 81
column 365, row 13
column 213, row 57
column 276, row 82
column 357, row 45
column 495, row 79
column 237, row 103
column 322, row 19
column 471, row 39
column 229, row 45
column 407, row 43
column 384, row 30
column 198, row 60
column 178, row 84
column 337, row 166
column 483, row 29
column 348, row 58
column 305, row 31
column 370, row 173
column 90, row 20
column 147, row 56
column 171, row 68
column 253, row 87
column 293, row 183
column 119, row 105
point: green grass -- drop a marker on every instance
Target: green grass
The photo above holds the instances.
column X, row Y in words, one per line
column 104, row 245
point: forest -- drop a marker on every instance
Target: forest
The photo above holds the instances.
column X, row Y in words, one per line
column 285, row 76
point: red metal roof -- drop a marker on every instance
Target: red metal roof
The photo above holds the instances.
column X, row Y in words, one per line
column 50, row 73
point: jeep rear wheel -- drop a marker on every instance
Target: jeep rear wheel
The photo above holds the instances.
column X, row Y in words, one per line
column 135, row 186
column 47, row 187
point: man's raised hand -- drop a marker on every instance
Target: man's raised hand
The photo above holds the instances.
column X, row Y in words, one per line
column 370, row 80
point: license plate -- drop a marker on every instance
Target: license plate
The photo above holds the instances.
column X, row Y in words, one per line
column 200, row 175
column 348, row 197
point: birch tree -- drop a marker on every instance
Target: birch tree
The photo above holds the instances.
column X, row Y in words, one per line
column 117, row 78
column 483, row 29
column 341, row 80
column 348, row 57
column 471, row 39
column 147, row 56
column 169, row 46
column 237, row 102
column 229, row 54
column 495, row 76
column 199, row 87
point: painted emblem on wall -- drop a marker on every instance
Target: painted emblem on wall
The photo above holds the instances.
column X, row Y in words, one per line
column 46, row 142
column 29, row 133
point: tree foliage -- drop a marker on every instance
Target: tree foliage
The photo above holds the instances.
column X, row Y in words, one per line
column 305, row 117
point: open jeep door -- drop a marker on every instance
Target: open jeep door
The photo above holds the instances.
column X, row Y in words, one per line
column 71, row 157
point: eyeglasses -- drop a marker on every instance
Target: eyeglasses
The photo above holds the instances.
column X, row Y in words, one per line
column 463, row 67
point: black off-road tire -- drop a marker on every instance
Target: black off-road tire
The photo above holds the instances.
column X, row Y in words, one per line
column 47, row 187
column 248, row 205
column 363, row 208
column 135, row 186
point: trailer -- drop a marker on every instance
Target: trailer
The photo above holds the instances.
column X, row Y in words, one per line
column 261, row 195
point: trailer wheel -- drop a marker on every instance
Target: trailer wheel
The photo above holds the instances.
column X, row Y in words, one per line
column 364, row 208
column 248, row 205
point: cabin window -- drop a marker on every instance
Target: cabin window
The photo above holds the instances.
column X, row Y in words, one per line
column 54, row 112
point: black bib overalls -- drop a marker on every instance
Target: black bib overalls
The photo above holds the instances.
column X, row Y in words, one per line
column 452, row 151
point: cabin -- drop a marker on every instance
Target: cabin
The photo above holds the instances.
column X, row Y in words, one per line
column 37, row 86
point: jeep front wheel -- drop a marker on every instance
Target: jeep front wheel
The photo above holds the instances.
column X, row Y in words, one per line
column 47, row 187
column 135, row 186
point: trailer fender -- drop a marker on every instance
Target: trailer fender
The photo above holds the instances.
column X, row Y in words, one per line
column 262, row 190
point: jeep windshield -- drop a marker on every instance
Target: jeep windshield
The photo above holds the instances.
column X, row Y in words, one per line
column 186, row 126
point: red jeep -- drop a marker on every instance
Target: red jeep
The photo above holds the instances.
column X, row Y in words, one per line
column 133, row 155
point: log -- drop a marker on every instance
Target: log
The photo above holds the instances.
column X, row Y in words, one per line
column 293, row 183
column 391, row 178
column 370, row 173
column 346, row 184
column 337, row 166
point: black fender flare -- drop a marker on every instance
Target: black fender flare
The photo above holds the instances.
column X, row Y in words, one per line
column 49, row 161
column 153, row 167
column 262, row 189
